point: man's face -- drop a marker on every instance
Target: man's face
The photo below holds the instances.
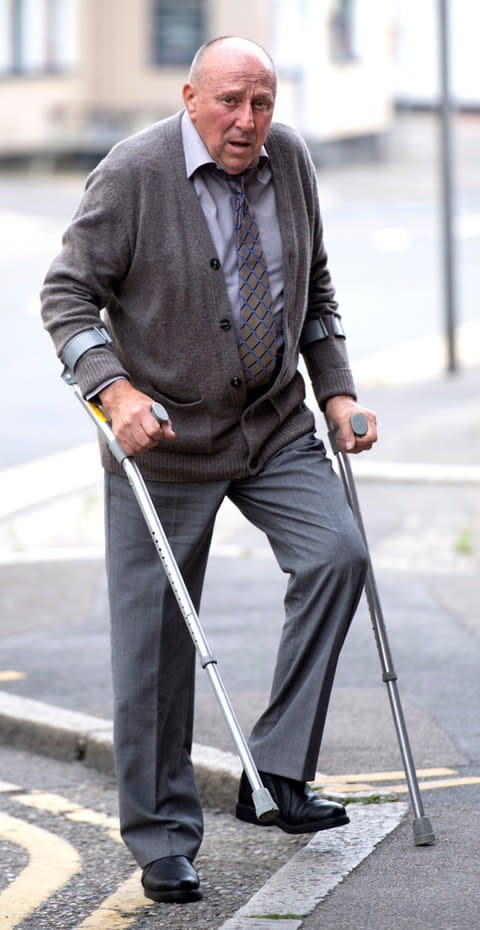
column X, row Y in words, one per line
column 231, row 104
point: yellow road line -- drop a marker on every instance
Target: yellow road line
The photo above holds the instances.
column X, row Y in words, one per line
column 44, row 801
column 56, row 804
column 434, row 783
column 369, row 781
column 322, row 779
column 6, row 787
column 11, row 674
column 348, row 787
column 98, row 819
column 120, row 910
column 52, row 863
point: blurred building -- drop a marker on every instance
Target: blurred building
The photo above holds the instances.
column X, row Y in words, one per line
column 77, row 75
column 417, row 45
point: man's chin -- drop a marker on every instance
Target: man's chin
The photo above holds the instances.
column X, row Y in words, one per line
column 237, row 163
column 239, row 157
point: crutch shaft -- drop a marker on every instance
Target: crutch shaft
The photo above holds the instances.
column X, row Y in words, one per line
column 422, row 830
column 206, row 657
column 265, row 807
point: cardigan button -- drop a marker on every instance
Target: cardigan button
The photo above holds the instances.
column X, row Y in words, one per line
column 236, row 382
column 225, row 324
column 215, row 264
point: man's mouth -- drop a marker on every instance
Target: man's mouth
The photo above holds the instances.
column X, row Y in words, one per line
column 240, row 144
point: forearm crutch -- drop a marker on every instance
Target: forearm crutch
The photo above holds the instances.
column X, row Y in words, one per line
column 265, row 808
column 422, row 830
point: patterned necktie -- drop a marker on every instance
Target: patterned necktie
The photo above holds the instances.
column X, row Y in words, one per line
column 257, row 347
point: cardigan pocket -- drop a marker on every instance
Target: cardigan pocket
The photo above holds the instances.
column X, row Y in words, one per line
column 289, row 398
column 191, row 422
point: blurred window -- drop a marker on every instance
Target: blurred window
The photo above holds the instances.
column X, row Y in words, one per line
column 342, row 31
column 37, row 36
column 5, row 31
column 62, row 46
column 178, row 30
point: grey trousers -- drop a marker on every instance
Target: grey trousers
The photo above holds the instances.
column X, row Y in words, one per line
column 299, row 502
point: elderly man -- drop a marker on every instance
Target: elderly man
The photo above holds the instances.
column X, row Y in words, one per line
column 201, row 240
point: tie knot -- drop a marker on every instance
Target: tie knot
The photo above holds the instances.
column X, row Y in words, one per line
column 235, row 181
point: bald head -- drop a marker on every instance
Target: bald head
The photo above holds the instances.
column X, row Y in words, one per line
column 225, row 47
column 230, row 97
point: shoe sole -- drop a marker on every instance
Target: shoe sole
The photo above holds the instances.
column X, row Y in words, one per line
column 173, row 897
column 242, row 812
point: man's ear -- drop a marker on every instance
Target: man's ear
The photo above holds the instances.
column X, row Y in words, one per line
column 189, row 99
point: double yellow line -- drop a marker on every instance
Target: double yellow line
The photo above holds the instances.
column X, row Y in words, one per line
column 52, row 862
column 391, row 782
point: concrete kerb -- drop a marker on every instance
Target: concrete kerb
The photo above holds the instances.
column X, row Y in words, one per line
column 53, row 731
column 64, row 734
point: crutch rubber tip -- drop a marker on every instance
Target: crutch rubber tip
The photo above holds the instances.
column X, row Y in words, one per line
column 265, row 807
column 423, row 834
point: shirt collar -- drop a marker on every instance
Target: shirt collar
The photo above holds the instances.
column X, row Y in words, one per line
column 196, row 152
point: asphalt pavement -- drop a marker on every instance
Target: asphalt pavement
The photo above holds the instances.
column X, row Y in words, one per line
column 419, row 492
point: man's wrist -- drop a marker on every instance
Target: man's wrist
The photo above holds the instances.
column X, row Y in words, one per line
column 335, row 399
column 95, row 395
column 111, row 393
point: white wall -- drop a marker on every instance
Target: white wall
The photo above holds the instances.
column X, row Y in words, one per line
column 416, row 57
column 335, row 99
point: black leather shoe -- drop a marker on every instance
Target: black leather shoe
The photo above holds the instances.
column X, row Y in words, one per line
column 301, row 810
column 172, row 879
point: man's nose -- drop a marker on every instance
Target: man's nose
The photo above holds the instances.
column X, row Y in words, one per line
column 245, row 115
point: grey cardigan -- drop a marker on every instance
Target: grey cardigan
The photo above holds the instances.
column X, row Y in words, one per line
column 140, row 249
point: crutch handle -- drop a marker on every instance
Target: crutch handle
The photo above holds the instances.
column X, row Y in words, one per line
column 159, row 412
column 359, row 424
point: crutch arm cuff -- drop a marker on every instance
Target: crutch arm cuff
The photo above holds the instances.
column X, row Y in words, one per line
column 317, row 329
column 81, row 343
